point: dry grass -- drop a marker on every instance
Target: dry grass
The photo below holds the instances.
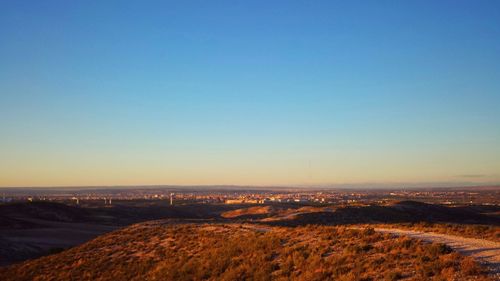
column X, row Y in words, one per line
column 488, row 232
column 241, row 252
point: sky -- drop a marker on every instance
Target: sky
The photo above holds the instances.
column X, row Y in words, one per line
column 249, row 92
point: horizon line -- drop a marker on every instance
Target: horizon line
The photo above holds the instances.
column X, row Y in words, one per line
column 372, row 186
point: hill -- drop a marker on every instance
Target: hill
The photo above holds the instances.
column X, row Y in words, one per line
column 252, row 212
column 30, row 230
column 400, row 212
column 164, row 251
column 48, row 211
column 33, row 229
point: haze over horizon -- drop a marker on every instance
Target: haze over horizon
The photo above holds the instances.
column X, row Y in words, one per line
column 97, row 93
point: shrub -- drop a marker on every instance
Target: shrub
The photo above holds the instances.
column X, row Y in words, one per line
column 393, row 276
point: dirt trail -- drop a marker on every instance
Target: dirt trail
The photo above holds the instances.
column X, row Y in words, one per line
column 484, row 251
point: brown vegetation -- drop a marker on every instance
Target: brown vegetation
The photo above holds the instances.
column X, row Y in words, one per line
column 488, row 232
column 162, row 251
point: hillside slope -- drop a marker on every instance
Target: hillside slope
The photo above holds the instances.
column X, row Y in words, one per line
column 33, row 229
column 401, row 212
column 485, row 251
column 164, row 251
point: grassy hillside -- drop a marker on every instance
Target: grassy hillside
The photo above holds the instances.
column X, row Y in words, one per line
column 164, row 251
column 488, row 232
column 30, row 230
column 33, row 229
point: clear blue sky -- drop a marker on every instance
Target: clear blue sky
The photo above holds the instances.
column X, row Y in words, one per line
column 249, row 92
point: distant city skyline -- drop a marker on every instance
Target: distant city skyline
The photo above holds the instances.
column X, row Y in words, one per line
column 284, row 93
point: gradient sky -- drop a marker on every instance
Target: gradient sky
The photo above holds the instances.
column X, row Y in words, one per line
column 249, row 92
